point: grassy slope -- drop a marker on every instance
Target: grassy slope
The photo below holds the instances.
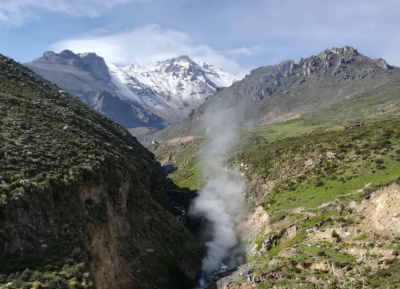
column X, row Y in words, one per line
column 368, row 154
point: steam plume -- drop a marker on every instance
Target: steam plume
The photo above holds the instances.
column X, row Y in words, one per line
column 221, row 201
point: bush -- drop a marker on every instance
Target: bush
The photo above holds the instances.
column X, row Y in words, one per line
column 336, row 236
column 319, row 182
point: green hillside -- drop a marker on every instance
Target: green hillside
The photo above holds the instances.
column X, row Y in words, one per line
column 310, row 175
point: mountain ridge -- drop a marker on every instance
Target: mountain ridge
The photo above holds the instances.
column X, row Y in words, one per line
column 277, row 93
column 177, row 84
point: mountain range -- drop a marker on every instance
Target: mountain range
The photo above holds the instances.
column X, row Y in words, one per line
column 278, row 93
column 173, row 87
column 154, row 95
column 148, row 98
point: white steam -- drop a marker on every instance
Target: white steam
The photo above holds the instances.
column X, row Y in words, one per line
column 221, row 202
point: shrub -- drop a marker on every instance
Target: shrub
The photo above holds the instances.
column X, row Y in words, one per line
column 319, row 182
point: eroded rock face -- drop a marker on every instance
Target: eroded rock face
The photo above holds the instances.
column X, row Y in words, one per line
column 382, row 211
column 256, row 223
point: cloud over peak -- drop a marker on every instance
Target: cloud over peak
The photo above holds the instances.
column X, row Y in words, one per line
column 148, row 44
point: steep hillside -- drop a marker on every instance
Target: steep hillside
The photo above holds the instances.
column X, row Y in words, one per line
column 172, row 87
column 328, row 205
column 81, row 201
column 285, row 91
column 86, row 75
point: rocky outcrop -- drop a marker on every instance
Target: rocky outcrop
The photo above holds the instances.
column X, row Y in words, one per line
column 256, row 223
column 381, row 211
column 89, row 62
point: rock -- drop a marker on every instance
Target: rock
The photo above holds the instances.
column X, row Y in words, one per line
column 383, row 64
column 331, row 155
column 169, row 169
column 150, row 250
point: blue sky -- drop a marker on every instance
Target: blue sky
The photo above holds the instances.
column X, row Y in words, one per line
column 237, row 35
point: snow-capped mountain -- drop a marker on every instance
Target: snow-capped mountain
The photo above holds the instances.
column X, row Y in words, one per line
column 138, row 95
column 171, row 88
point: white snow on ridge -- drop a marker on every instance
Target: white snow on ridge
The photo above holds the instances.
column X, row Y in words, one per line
column 116, row 78
column 127, row 86
column 217, row 75
column 180, row 84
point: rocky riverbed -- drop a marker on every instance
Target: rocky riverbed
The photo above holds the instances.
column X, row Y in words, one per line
column 238, row 274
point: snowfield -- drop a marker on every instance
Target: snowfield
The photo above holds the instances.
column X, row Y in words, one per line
column 177, row 84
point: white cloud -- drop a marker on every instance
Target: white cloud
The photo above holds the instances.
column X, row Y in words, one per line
column 146, row 45
column 245, row 51
column 16, row 12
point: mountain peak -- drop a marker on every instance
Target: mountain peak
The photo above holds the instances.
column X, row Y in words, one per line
column 68, row 54
column 338, row 62
column 88, row 54
column 176, row 84
column 183, row 57
column 88, row 61
column 343, row 50
column 135, row 66
column 49, row 54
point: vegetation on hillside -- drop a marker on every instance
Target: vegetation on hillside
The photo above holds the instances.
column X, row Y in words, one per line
column 79, row 194
column 306, row 173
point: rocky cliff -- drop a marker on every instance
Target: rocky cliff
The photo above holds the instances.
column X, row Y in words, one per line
column 82, row 202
